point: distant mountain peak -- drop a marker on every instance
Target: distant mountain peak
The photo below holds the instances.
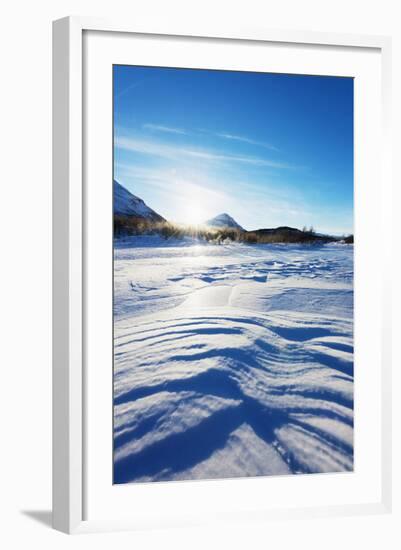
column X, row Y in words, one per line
column 224, row 220
column 127, row 204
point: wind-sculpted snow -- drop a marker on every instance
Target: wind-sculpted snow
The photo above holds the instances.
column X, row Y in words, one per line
column 231, row 360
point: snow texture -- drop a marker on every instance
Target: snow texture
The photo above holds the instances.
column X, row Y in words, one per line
column 231, row 360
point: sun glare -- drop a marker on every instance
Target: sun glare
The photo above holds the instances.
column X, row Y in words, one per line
column 194, row 214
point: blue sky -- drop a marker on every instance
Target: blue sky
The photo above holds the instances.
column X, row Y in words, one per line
column 268, row 149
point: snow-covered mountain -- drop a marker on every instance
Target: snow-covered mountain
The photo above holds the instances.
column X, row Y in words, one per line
column 224, row 220
column 127, row 204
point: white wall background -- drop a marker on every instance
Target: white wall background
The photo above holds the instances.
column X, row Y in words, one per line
column 25, row 398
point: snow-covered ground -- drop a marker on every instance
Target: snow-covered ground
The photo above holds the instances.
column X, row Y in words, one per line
column 231, row 360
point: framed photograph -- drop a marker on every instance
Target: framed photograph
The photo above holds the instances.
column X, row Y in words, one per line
column 221, row 308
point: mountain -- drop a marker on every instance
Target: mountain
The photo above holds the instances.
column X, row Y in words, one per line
column 281, row 229
column 287, row 234
column 127, row 204
column 224, row 221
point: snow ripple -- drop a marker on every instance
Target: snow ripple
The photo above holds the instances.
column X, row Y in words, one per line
column 248, row 376
column 184, row 385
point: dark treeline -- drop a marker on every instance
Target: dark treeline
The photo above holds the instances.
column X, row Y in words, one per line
column 130, row 225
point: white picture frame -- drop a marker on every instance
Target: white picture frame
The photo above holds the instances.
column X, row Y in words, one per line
column 70, row 257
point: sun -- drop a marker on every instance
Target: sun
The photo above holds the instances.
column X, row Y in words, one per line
column 194, row 213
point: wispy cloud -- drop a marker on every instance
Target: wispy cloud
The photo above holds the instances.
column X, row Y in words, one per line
column 161, row 128
column 174, row 152
column 224, row 135
column 194, row 195
column 245, row 139
column 255, row 208
column 132, row 86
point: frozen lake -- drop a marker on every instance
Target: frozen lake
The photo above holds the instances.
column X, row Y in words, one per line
column 231, row 360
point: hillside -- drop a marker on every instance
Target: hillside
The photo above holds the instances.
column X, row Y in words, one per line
column 224, row 221
column 127, row 204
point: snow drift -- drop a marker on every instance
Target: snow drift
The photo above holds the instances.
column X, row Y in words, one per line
column 232, row 360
